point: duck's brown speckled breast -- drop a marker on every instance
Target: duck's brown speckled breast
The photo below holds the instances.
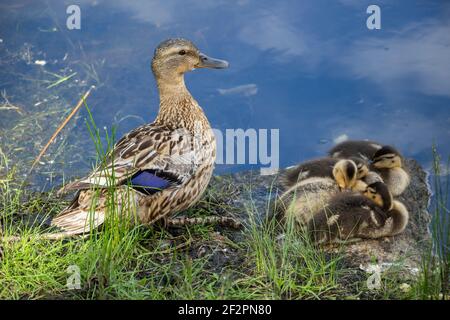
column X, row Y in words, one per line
column 173, row 200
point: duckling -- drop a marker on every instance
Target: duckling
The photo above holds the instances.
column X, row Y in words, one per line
column 320, row 168
column 372, row 177
column 387, row 161
column 160, row 168
column 308, row 196
column 363, row 149
column 352, row 216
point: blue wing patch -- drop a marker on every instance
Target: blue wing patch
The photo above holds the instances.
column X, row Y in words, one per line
column 150, row 182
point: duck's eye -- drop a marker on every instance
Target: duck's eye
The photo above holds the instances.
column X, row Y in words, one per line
column 182, row 52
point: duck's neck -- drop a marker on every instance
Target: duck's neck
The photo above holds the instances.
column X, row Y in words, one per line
column 171, row 87
column 177, row 107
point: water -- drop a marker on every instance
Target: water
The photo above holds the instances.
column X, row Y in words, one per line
column 311, row 69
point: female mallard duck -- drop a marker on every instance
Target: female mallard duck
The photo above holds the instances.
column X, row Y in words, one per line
column 386, row 161
column 160, row 168
column 352, row 216
column 308, row 196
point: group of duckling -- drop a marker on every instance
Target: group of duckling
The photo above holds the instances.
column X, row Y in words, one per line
column 349, row 195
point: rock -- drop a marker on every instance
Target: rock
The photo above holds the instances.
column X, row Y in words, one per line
column 253, row 192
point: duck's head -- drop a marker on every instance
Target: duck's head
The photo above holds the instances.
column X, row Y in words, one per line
column 379, row 193
column 174, row 57
column 387, row 158
column 362, row 167
column 345, row 173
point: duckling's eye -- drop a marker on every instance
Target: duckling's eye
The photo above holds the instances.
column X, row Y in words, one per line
column 182, row 52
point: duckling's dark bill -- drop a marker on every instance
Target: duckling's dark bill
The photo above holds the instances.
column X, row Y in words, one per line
column 208, row 62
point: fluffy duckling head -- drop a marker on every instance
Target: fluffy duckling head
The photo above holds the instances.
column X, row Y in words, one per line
column 362, row 167
column 387, row 158
column 345, row 173
column 379, row 193
column 174, row 57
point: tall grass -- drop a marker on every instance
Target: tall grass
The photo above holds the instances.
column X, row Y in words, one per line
column 28, row 268
column 32, row 264
column 110, row 247
column 289, row 263
column 434, row 278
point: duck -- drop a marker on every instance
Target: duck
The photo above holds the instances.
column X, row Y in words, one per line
column 307, row 196
column 355, row 216
column 364, row 149
column 322, row 168
column 386, row 162
column 160, row 168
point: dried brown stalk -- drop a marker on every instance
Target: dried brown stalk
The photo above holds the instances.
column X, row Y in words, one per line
column 61, row 126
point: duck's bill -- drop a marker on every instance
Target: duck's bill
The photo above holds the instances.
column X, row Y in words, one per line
column 208, row 62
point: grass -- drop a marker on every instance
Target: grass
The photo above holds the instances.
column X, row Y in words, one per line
column 60, row 79
column 289, row 264
column 434, row 280
column 124, row 261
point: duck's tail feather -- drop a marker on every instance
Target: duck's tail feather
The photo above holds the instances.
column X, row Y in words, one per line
column 76, row 221
column 76, row 185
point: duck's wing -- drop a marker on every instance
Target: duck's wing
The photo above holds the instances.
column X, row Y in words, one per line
column 150, row 154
